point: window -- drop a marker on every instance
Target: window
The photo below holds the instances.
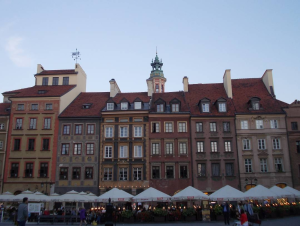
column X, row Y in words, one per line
column 276, row 143
column 259, row 124
column 66, row 130
column 137, row 119
column 169, row 148
column 32, row 124
column 123, row 174
column 205, row 107
column 213, row 127
column 274, row 124
column 201, row 170
column 78, row 129
column 31, row 144
column 88, row 173
column 1, row 125
column 181, row 127
column 137, row 131
column 108, row 132
column 215, row 169
column 63, row 173
column 183, row 172
column 160, row 108
column 123, row 151
column 1, row 145
column 19, row 123
column 65, row 81
column 20, row 107
column 246, row 144
column 47, row 123
column 137, row 173
column 124, row 106
column 278, row 165
column 29, row 170
column 110, row 106
column 294, row 126
column 17, row 144
column 46, row 143
column 123, row 131
column 182, row 148
column 77, row 149
column 65, row 149
column 261, row 144
column 42, row 91
column 55, row 81
column 86, row 106
column 138, row 151
column 124, row 120
column 199, row 127
column 248, row 165
column 175, row 107
column 107, row 174
column 14, row 171
column 200, row 146
column 169, row 127
column 89, row 149
column 156, row 88
column 263, row 165
column 34, row 107
column 90, row 129
column 298, row 146
column 229, row 172
column 222, row 107
column 108, row 152
column 45, row 81
column 76, row 173
column 226, row 126
column 244, row 124
column 155, row 127
column 137, row 105
column 155, row 172
column 49, row 107
column 155, row 148
column 170, row 172
column 214, row 146
column 227, row 146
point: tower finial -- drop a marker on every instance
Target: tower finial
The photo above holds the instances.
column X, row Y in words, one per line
column 156, row 50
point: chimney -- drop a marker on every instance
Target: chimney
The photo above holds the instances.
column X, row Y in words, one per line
column 185, row 82
column 39, row 68
column 114, row 88
column 268, row 81
column 150, row 87
column 227, row 83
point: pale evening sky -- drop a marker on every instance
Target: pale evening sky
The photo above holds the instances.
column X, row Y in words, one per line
column 117, row 39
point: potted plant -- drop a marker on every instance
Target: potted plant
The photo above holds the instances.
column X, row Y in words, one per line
column 126, row 215
column 189, row 214
column 160, row 214
column 218, row 212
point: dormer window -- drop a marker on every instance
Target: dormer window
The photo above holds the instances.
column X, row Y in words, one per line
column 222, row 107
column 160, row 108
column 205, row 107
column 41, row 91
column 110, row 106
column 254, row 104
column 175, row 107
column 137, row 105
column 86, row 106
column 124, row 106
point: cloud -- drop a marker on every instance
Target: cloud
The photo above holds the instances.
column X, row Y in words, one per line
column 16, row 53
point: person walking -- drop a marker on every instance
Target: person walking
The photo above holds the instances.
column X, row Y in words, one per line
column 82, row 216
column 226, row 211
column 243, row 218
column 23, row 212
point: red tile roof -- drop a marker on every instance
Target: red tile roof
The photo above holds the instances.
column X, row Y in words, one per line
column 131, row 97
column 212, row 92
column 3, row 107
column 244, row 89
column 51, row 91
column 98, row 101
column 167, row 97
column 57, row 72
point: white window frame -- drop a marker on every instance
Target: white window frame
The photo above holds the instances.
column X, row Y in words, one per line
column 34, row 107
column 138, row 105
column 108, row 152
column 19, row 123
column 137, row 170
column 244, row 124
column 49, row 106
column 277, row 162
column 205, row 107
column 213, row 127
column 124, row 106
column 169, row 148
column 228, row 146
column 110, row 106
column 182, row 148
column 182, row 127
column 109, row 172
column 47, row 123
column 123, row 151
column 199, row 127
column 1, row 125
column 214, row 146
column 157, row 127
column 200, row 146
column 138, row 151
column 20, row 107
column 246, row 144
column 261, row 144
column 255, row 105
column 274, row 124
column 259, row 124
column 169, row 127
column 276, row 143
column 124, row 171
column 248, row 166
column 222, row 107
column 160, row 108
column 138, row 131
column 155, row 150
column 33, row 122
column 263, row 165
column 175, row 107
column 123, row 131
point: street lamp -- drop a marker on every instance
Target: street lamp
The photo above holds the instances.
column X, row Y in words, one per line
column 42, row 185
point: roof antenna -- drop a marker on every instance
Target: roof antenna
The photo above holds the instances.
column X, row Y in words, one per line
column 76, row 55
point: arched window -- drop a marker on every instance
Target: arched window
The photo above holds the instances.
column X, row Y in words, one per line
column 156, row 88
column 162, row 88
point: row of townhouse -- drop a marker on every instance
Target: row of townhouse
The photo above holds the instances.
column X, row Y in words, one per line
column 56, row 137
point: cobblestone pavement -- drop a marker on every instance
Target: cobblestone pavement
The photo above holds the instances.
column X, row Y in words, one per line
column 287, row 221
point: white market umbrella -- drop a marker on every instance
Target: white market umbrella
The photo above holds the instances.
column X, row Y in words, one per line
column 54, row 197
column 260, row 192
column 86, row 196
column 42, row 197
column 190, row 193
column 6, row 197
column 151, row 194
column 72, row 196
column 293, row 191
column 92, row 196
column 227, row 193
column 116, row 195
column 27, row 193
column 281, row 192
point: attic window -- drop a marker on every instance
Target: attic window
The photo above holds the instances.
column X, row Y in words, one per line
column 110, row 106
column 222, row 107
column 86, row 106
column 124, row 106
column 205, row 107
column 160, row 108
column 42, row 91
column 175, row 107
column 137, row 105
column 255, row 105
